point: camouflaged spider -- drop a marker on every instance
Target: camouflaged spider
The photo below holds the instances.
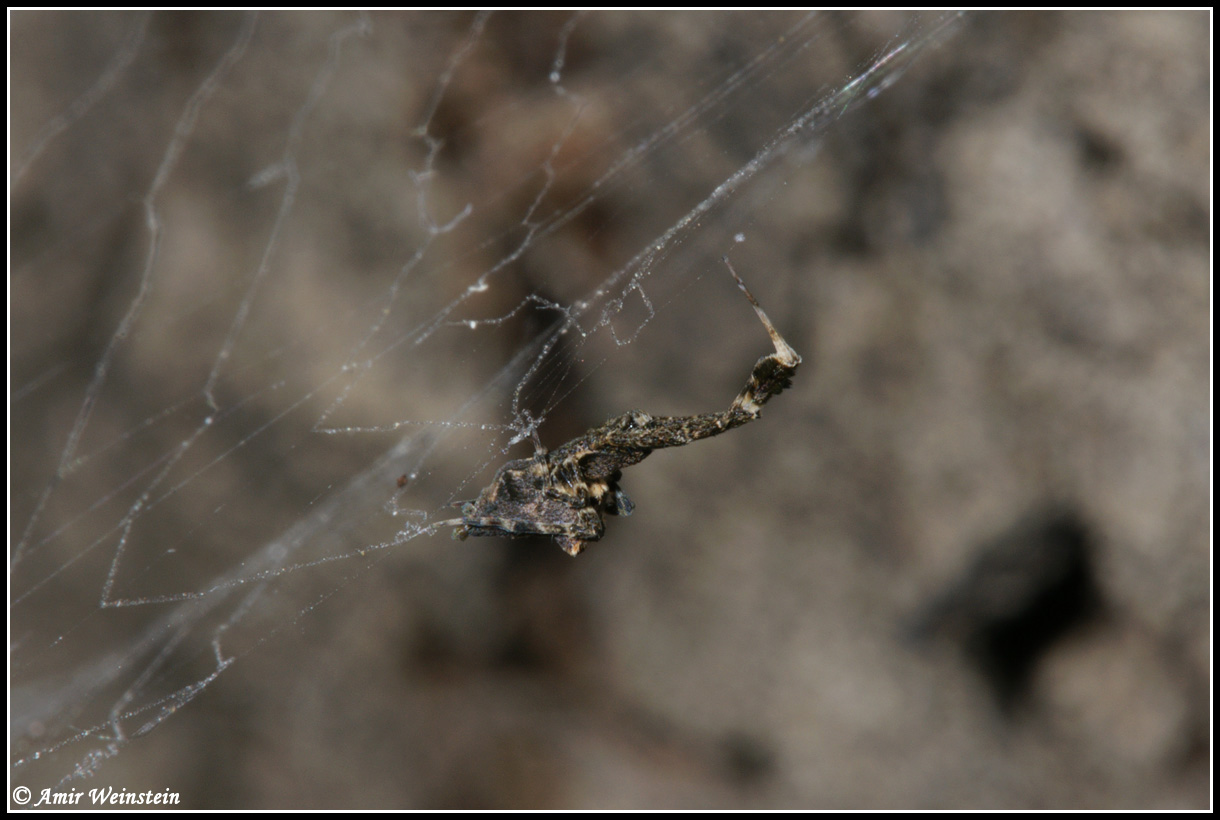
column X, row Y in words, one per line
column 563, row 493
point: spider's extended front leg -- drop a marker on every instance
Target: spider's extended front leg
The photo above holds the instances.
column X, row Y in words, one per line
column 771, row 374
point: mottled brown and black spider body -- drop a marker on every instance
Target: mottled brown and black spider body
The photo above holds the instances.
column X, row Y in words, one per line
column 564, row 492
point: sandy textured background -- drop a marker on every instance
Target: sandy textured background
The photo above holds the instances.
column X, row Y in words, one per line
column 963, row 563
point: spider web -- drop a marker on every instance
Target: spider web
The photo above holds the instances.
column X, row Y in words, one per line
column 287, row 287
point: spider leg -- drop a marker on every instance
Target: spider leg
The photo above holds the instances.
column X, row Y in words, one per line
column 588, row 527
column 627, row 439
column 572, row 546
column 772, row 373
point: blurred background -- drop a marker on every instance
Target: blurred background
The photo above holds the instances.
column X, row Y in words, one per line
column 285, row 287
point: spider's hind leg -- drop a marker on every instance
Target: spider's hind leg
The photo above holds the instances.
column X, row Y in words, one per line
column 616, row 502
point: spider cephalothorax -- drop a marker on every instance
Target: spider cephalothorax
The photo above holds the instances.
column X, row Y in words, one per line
column 564, row 492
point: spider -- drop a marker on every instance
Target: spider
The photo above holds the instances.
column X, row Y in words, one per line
column 564, row 492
